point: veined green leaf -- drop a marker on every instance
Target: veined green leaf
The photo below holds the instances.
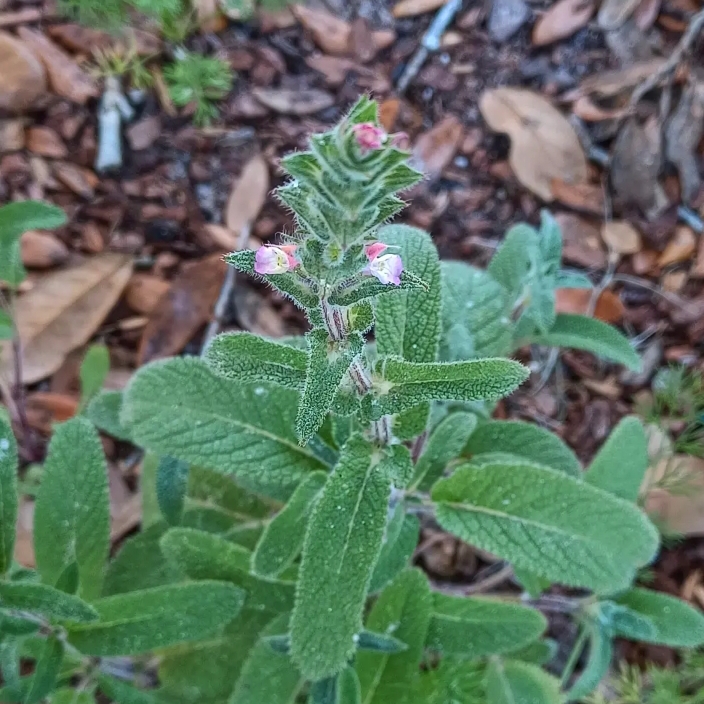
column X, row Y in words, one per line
column 171, row 486
column 444, row 445
column 406, row 384
column 154, row 618
column 283, row 537
column 403, row 609
column 8, row 494
column 476, row 314
column 620, row 465
column 676, row 623
column 205, row 556
column 180, row 407
column 328, row 362
column 547, row 522
column 46, row 671
column 598, row 663
column 342, row 545
column 453, row 681
column 104, row 411
column 524, row 440
column 268, row 677
column 408, row 322
column 583, row 333
column 515, row 682
column 400, row 540
column 397, row 465
column 72, row 516
column 46, row 601
column 94, row 369
column 495, row 626
column 244, row 357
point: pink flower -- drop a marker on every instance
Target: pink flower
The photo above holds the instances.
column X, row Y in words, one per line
column 369, row 136
column 275, row 260
column 385, row 267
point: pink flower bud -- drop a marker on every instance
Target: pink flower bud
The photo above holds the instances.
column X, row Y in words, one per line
column 275, row 260
column 373, row 250
column 387, row 268
column 368, row 136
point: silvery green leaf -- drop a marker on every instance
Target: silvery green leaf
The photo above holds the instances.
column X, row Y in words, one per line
column 515, row 682
column 396, row 464
column 282, row 539
column 367, row 287
column 524, row 440
column 72, row 515
column 676, row 623
column 598, row 663
column 328, row 362
column 45, row 601
column 244, row 357
column 120, row 692
column 444, row 444
column 171, row 486
column 403, row 610
column 379, row 643
column 547, row 522
column 621, row 621
column 348, row 687
column 496, row 626
column 476, row 314
column 583, row 333
column 342, row 544
column 145, row 620
column 13, row 625
column 400, row 541
column 180, row 407
column 46, row 671
column 620, row 465
column 104, row 411
column 568, row 278
column 8, row 494
column 514, row 265
column 94, row 369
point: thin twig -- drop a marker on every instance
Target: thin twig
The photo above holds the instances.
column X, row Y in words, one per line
column 657, row 290
column 491, row 581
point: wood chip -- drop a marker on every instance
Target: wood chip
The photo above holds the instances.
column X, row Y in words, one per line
column 42, row 250
column 411, row 8
column 248, row 195
column 294, row 102
column 81, row 181
column 22, row 76
column 562, row 20
column 45, row 142
column 12, row 136
column 63, row 310
column 680, row 248
column 143, row 292
column 330, row 33
column 581, row 241
column 609, row 307
column 621, row 237
column 435, row 149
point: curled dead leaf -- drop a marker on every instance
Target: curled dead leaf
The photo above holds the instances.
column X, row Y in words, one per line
column 562, row 20
column 544, row 145
column 63, row 310
column 247, row 196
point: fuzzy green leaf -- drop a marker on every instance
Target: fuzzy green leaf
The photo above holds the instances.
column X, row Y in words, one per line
column 45, row 601
column 620, row 465
column 583, row 333
column 171, row 486
column 515, row 682
column 677, row 624
column 282, row 539
column 406, row 384
column 476, row 314
column 349, row 689
column 598, row 663
column 46, row 670
column 496, row 626
column 16, row 219
column 396, row 464
column 403, row 608
column 202, row 555
column 267, row 677
column 12, row 625
column 408, row 322
column 620, row 621
column 104, row 411
column 379, row 643
column 154, row 618
column 244, row 357
column 72, row 516
column 444, row 445
column 368, row 287
column 515, row 263
column 180, row 407
column 525, row 440
column 328, row 362
column 8, row 494
column 94, row 369
column 547, row 522
column 121, row 692
column 342, row 545
column 400, row 541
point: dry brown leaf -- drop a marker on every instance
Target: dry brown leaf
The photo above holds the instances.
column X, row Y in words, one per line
column 42, row 250
column 294, row 102
column 185, row 308
column 434, row 149
column 65, row 76
column 330, row 33
column 587, row 110
column 680, row 248
column 248, row 195
column 544, row 145
column 22, row 75
column 44, row 408
column 63, row 310
column 144, row 291
column 79, row 180
column 581, row 241
column 46, row 142
column 621, row 237
column 613, row 13
column 410, row 8
column 682, row 511
column 608, row 84
column 576, row 300
column 562, row 20
column 388, row 113
column 585, row 197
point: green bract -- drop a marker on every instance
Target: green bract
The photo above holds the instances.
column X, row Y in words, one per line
column 284, row 483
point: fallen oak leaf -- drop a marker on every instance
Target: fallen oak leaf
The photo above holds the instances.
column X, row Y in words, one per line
column 544, row 145
column 562, row 20
column 62, row 311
